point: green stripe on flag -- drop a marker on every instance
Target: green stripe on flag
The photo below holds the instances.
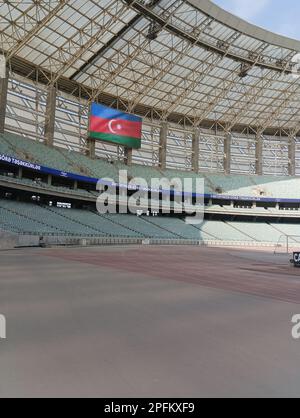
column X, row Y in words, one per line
column 126, row 141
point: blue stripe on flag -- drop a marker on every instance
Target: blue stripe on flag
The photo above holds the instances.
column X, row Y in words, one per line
column 109, row 113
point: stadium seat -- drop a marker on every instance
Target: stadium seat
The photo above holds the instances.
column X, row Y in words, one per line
column 77, row 163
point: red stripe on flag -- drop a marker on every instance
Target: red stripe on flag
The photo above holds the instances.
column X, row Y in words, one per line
column 118, row 127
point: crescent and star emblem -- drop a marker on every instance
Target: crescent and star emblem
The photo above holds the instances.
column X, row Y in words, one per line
column 112, row 129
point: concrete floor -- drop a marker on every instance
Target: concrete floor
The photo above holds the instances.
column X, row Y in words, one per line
column 148, row 322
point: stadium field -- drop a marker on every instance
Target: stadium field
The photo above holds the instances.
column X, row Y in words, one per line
column 148, row 322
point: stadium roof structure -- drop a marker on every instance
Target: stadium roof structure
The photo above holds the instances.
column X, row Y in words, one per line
column 188, row 62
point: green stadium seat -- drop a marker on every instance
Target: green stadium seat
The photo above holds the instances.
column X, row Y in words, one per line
column 71, row 161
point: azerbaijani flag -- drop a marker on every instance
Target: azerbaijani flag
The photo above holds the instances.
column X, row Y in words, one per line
column 115, row 126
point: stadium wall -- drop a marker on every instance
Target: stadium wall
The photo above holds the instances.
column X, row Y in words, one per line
column 8, row 241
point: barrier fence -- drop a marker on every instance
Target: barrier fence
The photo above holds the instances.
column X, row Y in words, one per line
column 10, row 241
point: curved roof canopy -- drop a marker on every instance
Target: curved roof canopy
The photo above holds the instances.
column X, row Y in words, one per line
column 185, row 61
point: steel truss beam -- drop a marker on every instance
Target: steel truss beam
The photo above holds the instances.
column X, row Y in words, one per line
column 201, row 76
column 165, row 22
column 252, row 95
column 83, row 41
column 288, row 95
column 91, row 27
column 182, row 49
column 143, row 42
column 134, row 21
column 225, row 86
column 36, row 29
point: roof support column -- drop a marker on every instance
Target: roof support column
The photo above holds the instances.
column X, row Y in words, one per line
column 91, row 147
column 4, row 75
column 50, row 116
column 195, row 150
column 128, row 156
column 227, row 153
column 163, row 145
column 292, row 156
column 259, row 154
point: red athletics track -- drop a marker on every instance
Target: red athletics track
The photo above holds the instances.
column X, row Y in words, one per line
column 253, row 273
